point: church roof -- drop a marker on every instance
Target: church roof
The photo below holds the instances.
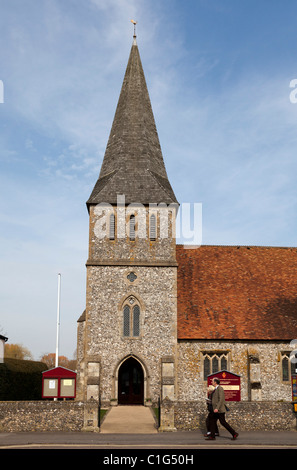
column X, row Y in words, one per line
column 133, row 163
column 237, row 293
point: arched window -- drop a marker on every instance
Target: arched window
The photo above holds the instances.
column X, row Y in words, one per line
column 153, row 227
column 288, row 368
column 111, row 226
column 126, row 321
column 131, row 318
column 136, row 320
column 132, row 227
column 214, row 362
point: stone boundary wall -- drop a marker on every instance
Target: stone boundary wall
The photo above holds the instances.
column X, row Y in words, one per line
column 244, row 416
column 73, row 416
column 28, row 416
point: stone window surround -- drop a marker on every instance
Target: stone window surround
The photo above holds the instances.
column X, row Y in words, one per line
column 282, row 356
column 131, row 322
column 146, row 377
column 124, row 302
column 218, row 354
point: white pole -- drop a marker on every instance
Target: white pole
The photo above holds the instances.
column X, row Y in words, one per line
column 58, row 321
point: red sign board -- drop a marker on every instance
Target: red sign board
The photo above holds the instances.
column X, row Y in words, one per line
column 230, row 383
column 59, row 383
column 294, row 388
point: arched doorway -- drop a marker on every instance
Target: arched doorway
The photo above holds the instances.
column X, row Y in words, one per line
column 130, row 383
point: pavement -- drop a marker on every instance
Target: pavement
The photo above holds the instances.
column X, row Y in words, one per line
column 133, row 429
column 169, row 440
column 129, row 420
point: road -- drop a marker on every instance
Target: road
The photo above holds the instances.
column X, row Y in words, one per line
column 170, row 440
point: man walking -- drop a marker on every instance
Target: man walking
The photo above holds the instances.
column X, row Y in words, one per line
column 219, row 408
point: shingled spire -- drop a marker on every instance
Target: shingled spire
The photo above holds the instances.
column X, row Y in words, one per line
column 133, row 164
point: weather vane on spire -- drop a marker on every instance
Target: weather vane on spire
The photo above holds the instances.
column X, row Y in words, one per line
column 135, row 23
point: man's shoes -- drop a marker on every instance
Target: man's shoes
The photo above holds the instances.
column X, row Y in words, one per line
column 209, row 438
column 235, row 436
column 208, row 434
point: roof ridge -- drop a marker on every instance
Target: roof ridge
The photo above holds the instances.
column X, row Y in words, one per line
column 99, row 186
column 158, row 177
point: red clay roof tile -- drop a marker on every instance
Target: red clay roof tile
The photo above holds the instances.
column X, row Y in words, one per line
column 230, row 292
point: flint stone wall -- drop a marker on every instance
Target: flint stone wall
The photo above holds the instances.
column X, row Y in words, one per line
column 26, row 416
column 193, row 387
column 243, row 416
column 107, row 290
column 51, row 416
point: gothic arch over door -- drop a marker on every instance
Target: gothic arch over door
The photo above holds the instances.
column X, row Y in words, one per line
column 131, row 383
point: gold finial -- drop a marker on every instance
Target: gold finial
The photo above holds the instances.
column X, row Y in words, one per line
column 135, row 23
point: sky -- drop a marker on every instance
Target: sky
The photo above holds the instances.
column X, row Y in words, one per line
column 218, row 74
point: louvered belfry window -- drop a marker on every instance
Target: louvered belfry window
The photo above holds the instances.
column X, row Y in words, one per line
column 153, row 227
column 112, row 227
column 132, row 227
column 131, row 319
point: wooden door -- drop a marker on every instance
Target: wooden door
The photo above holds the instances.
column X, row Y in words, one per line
column 130, row 383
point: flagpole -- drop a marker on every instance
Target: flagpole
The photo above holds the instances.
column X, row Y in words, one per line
column 58, row 321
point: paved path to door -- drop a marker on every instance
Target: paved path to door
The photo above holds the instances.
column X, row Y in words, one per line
column 129, row 420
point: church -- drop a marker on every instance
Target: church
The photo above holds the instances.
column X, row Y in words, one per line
column 159, row 317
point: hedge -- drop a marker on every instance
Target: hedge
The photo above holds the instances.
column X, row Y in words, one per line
column 21, row 380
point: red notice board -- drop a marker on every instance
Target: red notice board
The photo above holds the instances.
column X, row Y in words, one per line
column 294, row 392
column 58, row 383
column 230, row 383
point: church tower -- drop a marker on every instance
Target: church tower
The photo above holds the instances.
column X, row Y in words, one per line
column 127, row 335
